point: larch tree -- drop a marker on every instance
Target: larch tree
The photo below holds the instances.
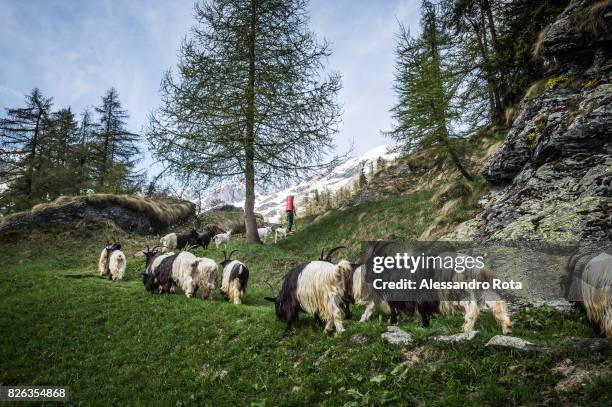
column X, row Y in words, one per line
column 428, row 89
column 250, row 98
column 116, row 150
column 22, row 134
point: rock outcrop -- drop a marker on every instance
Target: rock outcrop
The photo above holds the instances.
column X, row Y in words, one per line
column 130, row 213
column 554, row 171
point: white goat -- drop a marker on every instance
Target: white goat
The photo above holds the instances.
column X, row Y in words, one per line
column 192, row 273
column 223, row 238
column 264, row 232
column 280, row 233
column 112, row 262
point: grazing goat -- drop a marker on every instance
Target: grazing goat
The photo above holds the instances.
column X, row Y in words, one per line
column 158, row 277
column 361, row 294
column 223, row 238
column 191, row 273
column 315, row 288
column 179, row 240
column 448, row 302
column 591, row 289
column 112, row 262
column 280, row 233
column 204, row 239
column 234, row 278
column 264, row 232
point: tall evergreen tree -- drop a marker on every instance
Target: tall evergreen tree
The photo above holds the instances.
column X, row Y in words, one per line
column 427, row 88
column 116, row 150
column 250, row 98
column 22, row 134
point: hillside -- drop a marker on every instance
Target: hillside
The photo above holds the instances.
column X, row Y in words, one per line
column 172, row 350
column 169, row 349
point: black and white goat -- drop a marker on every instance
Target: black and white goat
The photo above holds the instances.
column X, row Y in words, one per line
column 234, row 278
column 316, row 288
column 112, row 262
column 179, row 240
column 157, row 277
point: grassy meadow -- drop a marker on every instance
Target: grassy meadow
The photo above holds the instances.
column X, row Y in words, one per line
column 115, row 343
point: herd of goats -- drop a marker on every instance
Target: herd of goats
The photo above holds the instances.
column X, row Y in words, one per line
column 324, row 289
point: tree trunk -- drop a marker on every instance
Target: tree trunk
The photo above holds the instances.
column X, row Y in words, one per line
column 30, row 173
column 249, row 142
column 457, row 161
column 499, row 109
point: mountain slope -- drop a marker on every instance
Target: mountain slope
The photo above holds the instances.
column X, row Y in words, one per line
column 271, row 204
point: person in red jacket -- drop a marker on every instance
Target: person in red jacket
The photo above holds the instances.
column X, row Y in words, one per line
column 290, row 210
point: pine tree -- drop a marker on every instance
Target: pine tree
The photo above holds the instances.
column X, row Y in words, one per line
column 250, row 100
column 427, row 89
column 363, row 180
column 22, row 134
column 59, row 164
column 381, row 164
column 84, row 150
column 116, row 151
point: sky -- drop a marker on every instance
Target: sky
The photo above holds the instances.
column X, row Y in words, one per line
column 74, row 50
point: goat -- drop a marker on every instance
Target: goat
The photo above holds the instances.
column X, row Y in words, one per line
column 591, row 289
column 280, row 232
column 179, row 240
column 235, row 276
column 158, row 277
column 112, row 262
column 223, row 238
column 191, row 273
column 204, row 239
column 348, row 283
column 264, row 232
column 316, row 288
column 469, row 302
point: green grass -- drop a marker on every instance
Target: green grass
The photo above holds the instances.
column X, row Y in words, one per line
column 114, row 343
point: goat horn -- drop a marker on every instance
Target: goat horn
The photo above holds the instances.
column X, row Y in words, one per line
column 322, row 254
column 230, row 255
column 329, row 253
column 271, row 299
column 224, row 254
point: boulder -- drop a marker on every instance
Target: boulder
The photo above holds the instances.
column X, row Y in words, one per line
column 516, row 343
column 456, row 338
column 396, row 336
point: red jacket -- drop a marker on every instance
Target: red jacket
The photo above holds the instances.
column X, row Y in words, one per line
column 290, row 207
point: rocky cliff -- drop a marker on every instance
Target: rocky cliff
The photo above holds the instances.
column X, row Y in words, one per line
column 553, row 173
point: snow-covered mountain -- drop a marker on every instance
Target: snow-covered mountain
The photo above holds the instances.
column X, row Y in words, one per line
column 271, row 204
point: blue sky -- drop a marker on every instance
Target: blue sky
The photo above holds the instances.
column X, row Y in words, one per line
column 75, row 50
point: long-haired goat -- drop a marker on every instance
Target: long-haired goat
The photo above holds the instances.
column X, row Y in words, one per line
column 316, row 288
column 280, row 233
column 179, row 240
column 264, row 232
column 223, row 238
column 193, row 273
column 448, row 302
column 591, row 289
column 112, row 262
column 158, row 275
column 234, row 278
